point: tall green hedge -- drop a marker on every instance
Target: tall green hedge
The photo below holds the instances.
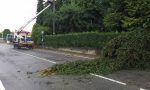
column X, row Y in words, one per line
column 127, row 51
column 131, row 49
column 92, row 40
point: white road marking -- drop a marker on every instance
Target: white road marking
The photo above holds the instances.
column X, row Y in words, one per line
column 1, row 86
column 108, row 79
column 111, row 80
column 36, row 57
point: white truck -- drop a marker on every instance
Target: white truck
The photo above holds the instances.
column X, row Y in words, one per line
column 21, row 38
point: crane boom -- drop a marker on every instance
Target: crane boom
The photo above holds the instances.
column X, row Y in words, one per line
column 20, row 38
column 28, row 22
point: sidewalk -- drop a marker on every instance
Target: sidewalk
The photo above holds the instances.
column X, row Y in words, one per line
column 88, row 56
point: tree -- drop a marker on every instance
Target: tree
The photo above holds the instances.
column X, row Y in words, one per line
column 69, row 18
column 36, row 33
column 40, row 6
column 127, row 15
column 0, row 34
column 113, row 19
column 76, row 16
column 5, row 32
column 92, row 14
column 138, row 14
column 102, row 15
column 48, row 17
column 66, row 16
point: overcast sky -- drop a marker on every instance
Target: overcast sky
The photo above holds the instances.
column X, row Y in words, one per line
column 15, row 13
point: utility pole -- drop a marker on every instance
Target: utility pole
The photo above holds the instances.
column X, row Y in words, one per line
column 54, row 18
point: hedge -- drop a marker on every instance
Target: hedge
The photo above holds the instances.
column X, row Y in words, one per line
column 131, row 49
column 127, row 51
column 92, row 40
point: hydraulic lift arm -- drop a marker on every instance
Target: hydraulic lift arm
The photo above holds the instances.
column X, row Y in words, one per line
column 28, row 22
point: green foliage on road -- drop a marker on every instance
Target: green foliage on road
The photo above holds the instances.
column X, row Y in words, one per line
column 98, row 66
column 93, row 40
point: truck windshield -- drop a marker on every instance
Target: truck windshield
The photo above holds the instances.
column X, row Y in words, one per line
column 28, row 39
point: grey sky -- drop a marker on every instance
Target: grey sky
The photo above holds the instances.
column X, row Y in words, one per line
column 15, row 13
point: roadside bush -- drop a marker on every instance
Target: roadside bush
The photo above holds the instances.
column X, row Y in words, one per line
column 36, row 33
column 131, row 49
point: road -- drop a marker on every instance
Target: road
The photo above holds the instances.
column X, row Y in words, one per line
column 18, row 71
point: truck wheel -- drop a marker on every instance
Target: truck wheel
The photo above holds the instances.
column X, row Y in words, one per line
column 15, row 46
column 30, row 47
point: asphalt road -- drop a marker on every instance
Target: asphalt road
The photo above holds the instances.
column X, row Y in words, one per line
column 18, row 71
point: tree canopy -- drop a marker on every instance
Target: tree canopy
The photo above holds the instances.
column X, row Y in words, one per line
column 5, row 32
column 40, row 6
column 96, row 15
column 0, row 34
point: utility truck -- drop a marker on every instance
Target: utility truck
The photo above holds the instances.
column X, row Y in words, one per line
column 22, row 38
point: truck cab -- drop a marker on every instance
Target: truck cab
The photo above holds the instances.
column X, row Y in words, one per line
column 23, row 40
